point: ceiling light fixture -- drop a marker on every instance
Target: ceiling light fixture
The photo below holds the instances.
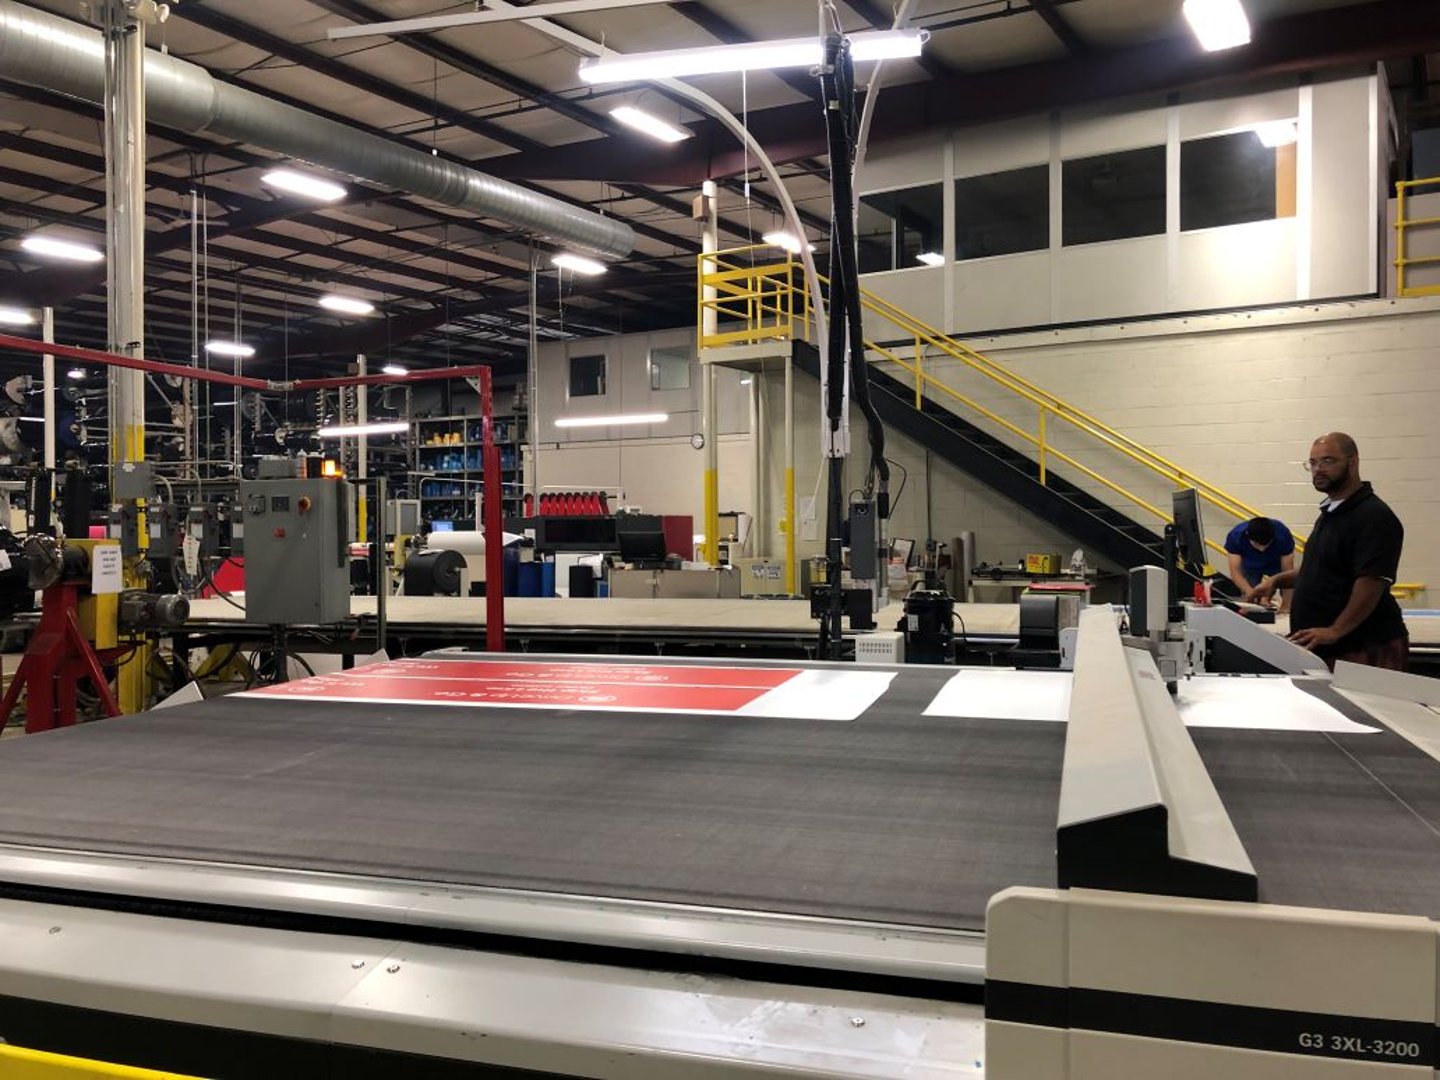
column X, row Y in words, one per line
column 748, row 56
column 75, row 373
column 62, row 249
column 238, row 349
column 653, row 126
column 10, row 316
column 343, row 431
column 298, row 183
column 781, row 239
column 578, row 263
column 1218, row 24
column 349, row 305
column 612, row 421
column 1277, row 133
column 931, row 258
column 394, row 369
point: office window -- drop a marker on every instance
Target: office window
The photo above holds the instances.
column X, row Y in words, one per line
column 897, row 227
column 1113, row 196
column 1002, row 213
column 587, row 376
column 670, row 368
column 1230, row 179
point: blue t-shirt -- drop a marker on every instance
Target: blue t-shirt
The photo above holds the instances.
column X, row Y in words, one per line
column 1257, row 564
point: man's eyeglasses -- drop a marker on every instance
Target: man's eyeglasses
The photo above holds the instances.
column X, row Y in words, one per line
column 1326, row 463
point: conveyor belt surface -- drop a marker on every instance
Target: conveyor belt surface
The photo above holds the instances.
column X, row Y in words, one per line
column 1333, row 820
column 893, row 816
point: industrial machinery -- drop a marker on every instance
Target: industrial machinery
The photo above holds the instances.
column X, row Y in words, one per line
column 297, row 567
column 856, row 875
column 85, row 609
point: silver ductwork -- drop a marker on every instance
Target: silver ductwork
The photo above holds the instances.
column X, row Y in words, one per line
column 44, row 50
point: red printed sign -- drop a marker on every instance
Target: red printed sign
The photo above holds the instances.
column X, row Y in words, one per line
column 668, row 688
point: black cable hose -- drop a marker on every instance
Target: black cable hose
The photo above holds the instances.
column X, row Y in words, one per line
column 838, row 85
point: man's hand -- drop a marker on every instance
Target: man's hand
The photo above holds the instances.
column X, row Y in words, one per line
column 1261, row 593
column 1315, row 637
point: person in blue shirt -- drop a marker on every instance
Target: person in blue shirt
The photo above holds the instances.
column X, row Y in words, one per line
column 1259, row 548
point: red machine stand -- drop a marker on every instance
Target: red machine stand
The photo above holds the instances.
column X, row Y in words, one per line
column 57, row 658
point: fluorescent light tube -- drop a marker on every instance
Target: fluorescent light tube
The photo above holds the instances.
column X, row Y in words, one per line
column 781, row 239
column 298, row 183
column 650, row 125
column 748, row 56
column 350, row 305
column 1277, row 133
column 10, row 316
column 342, row 431
column 578, row 263
column 931, row 258
column 1218, row 24
column 237, row 349
column 61, row 249
column 394, row 369
column 612, row 421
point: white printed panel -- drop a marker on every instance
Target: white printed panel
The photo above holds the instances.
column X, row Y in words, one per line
column 1004, row 694
column 1246, row 703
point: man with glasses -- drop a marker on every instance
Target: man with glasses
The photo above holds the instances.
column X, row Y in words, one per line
column 1342, row 607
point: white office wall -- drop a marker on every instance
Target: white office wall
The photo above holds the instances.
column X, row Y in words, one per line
column 1327, row 250
column 655, row 466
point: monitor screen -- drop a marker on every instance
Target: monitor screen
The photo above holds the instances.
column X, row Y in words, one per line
column 642, row 545
column 1189, row 529
column 442, row 526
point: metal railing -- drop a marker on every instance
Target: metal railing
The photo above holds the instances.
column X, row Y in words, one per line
column 1403, row 225
column 752, row 302
column 774, row 290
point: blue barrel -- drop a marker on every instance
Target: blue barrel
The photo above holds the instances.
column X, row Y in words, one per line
column 512, row 570
column 528, row 580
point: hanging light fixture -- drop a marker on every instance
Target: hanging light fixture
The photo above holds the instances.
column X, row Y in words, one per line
column 747, row 56
column 299, row 183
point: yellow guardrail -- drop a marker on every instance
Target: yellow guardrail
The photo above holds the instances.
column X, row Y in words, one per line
column 1403, row 225
column 17, row 1063
column 772, row 292
column 752, row 302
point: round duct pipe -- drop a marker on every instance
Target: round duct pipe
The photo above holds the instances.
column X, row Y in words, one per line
column 47, row 51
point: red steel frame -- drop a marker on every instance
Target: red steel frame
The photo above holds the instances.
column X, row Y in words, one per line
column 492, row 523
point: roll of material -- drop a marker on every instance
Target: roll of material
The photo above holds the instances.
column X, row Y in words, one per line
column 466, row 542
column 434, row 573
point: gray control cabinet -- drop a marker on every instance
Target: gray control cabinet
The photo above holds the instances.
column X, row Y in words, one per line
column 297, row 563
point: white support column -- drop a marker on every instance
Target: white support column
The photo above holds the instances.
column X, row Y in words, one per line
column 709, row 322
column 125, row 225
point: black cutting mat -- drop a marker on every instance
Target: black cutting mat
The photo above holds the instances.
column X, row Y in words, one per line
column 894, row 816
column 1333, row 821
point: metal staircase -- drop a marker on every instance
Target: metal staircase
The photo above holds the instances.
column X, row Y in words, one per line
column 1098, row 528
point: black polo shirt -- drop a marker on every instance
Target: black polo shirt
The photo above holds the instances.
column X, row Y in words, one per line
column 1361, row 537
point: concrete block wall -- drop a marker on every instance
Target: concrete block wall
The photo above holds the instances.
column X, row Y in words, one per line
column 1236, row 399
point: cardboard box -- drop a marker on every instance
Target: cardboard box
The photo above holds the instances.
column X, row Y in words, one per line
column 1042, row 564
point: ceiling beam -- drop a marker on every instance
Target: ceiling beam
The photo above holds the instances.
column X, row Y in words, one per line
column 1060, row 27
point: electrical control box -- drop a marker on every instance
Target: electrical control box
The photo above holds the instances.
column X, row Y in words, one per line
column 297, row 567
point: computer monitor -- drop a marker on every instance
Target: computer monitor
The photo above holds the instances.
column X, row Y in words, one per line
column 1189, row 531
column 643, row 545
column 442, row 526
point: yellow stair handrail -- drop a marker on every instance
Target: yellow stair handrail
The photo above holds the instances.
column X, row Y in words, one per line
column 1402, row 226
column 735, row 271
